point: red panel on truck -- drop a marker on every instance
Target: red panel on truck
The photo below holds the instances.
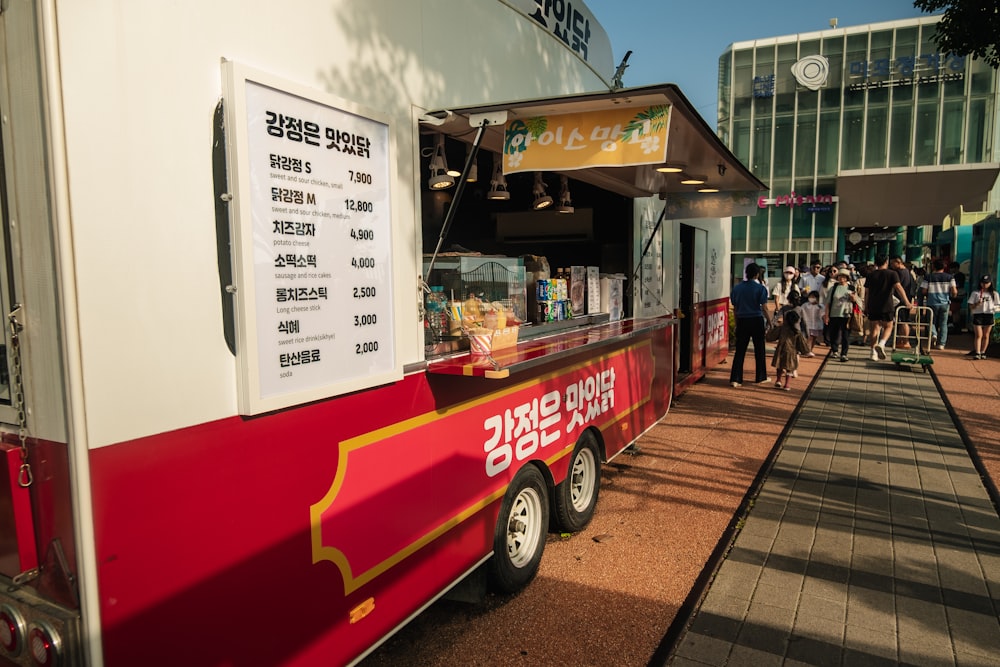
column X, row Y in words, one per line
column 17, row 530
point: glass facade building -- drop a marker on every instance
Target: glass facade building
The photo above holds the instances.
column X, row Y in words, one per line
column 838, row 122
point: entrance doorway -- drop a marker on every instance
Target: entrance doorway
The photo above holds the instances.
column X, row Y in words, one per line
column 691, row 298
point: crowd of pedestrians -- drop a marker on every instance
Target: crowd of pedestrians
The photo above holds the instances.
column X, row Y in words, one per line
column 828, row 305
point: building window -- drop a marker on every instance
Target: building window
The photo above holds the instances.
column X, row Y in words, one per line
column 979, row 128
column 739, row 240
column 829, row 143
column 854, row 134
column 877, row 129
column 906, row 44
column 809, row 48
column 780, row 228
column 802, row 228
column 761, row 164
column 784, row 134
column 741, row 140
column 856, row 57
column 742, row 77
column 826, row 231
column 725, row 69
column 925, row 138
column 805, row 135
column 833, row 49
column 764, row 60
column 982, row 77
column 757, row 241
column 952, row 120
column 901, row 139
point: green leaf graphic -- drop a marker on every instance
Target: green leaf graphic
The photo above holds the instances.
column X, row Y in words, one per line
column 656, row 116
column 537, row 125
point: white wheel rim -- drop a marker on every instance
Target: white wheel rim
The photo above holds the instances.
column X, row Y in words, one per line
column 581, row 479
column 524, row 527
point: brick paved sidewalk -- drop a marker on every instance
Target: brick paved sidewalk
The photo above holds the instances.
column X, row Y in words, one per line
column 872, row 541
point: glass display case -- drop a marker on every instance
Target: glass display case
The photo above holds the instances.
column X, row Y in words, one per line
column 471, row 291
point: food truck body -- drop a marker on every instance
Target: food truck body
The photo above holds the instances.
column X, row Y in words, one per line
column 230, row 436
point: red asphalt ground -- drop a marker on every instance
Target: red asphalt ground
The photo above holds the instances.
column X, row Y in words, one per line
column 609, row 594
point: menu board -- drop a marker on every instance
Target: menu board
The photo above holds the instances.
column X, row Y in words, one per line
column 311, row 220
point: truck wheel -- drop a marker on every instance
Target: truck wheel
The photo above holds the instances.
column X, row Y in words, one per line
column 519, row 538
column 576, row 496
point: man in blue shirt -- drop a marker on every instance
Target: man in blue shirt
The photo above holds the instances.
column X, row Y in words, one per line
column 749, row 299
column 938, row 289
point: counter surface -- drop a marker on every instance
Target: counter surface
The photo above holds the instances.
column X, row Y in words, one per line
column 531, row 353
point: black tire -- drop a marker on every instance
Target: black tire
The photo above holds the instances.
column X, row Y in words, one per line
column 519, row 538
column 576, row 496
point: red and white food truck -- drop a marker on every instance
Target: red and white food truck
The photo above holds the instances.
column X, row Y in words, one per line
column 235, row 430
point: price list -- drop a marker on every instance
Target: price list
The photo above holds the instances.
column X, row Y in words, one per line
column 320, row 246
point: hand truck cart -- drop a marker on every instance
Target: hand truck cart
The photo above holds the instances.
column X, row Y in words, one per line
column 922, row 330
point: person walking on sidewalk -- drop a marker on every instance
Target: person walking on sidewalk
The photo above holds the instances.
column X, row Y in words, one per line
column 812, row 281
column 880, row 287
column 781, row 289
column 829, row 281
column 749, row 299
column 984, row 304
column 906, row 280
column 862, row 337
column 812, row 316
column 793, row 305
column 939, row 289
column 791, row 343
column 839, row 306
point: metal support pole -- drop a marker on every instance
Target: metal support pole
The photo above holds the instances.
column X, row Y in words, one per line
column 453, row 207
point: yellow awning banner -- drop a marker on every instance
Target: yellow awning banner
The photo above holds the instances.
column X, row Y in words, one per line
column 607, row 138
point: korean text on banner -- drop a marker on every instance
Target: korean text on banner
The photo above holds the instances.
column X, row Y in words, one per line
column 610, row 138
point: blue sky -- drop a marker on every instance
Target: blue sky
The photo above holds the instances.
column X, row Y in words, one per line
column 680, row 41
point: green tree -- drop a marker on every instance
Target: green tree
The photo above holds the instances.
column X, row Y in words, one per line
column 968, row 27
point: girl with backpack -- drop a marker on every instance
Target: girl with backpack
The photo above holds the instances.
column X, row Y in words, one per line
column 791, row 343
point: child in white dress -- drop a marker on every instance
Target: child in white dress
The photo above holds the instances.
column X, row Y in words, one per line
column 812, row 314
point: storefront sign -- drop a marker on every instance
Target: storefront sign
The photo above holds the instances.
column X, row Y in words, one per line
column 811, row 72
column 906, row 71
column 813, row 202
column 311, row 219
column 713, row 329
column 539, row 419
column 916, row 81
column 763, row 85
column 571, row 23
column 607, row 138
column 688, row 205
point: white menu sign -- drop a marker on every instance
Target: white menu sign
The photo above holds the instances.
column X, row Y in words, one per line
column 311, row 217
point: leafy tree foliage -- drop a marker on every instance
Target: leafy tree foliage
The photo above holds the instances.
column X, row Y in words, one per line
column 969, row 27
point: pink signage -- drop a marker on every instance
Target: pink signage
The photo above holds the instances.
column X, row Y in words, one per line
column 796, row 200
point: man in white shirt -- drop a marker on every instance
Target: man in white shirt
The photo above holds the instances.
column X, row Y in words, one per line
column 812, row 281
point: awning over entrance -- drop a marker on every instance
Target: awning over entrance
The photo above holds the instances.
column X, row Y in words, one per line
column 690, row 141
column 914, row 196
